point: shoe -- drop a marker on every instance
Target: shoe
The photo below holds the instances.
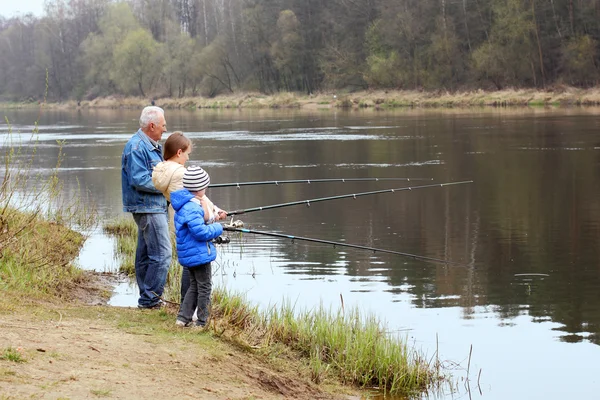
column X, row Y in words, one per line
column 156, row 306
column 183, row 324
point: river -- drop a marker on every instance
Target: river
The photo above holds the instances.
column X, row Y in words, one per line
column 525, row 300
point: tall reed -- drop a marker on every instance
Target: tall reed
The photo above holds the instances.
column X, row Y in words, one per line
column 37, row 217
column 124, row 230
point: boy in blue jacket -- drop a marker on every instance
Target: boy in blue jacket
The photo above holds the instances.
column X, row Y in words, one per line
column 195, row 249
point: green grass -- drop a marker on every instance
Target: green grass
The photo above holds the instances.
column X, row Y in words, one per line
column 347, row 345
column 13, row 355
column 31, row 263
column 125, row 231
column 537, row 103
column 100, row 392
column 124, row 226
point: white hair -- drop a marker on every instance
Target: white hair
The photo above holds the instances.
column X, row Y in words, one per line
column 150, row 114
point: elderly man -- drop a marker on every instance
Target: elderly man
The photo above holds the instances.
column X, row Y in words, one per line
column 148, row 206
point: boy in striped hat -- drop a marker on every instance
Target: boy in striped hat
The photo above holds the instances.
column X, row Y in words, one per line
column 195, row 249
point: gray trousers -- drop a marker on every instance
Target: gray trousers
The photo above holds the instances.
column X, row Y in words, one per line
column 197, row 295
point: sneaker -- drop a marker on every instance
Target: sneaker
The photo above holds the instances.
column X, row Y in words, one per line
column 156, row 306
column 183, row 324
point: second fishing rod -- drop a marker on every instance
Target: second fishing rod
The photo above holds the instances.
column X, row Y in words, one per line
column 238, row 185
column 343, row 196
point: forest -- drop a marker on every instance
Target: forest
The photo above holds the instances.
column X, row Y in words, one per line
column 83, row 49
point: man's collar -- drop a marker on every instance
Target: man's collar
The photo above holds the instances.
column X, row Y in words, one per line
column 151, row 141
column 154, row 142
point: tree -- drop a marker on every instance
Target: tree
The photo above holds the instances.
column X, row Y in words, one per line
column 445, row 68
column 579, row 57
column 257, row 38
column 343, row 54
column 217, row 69
column 510, row 56
column 137, row 62
column 385, row 66
column 288, row 51
column 99, row 48
column 270, row 45
column 179, row 61
column 19, row 75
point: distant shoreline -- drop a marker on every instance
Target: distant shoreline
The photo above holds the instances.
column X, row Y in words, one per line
column 380, row 99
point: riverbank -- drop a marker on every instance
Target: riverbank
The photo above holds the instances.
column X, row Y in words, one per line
column 557, row 96
column 60, row 339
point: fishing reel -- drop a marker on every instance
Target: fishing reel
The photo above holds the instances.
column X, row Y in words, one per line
column 221, row 240
column 233, row 224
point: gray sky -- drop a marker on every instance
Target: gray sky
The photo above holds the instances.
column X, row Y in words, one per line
column 10, row 8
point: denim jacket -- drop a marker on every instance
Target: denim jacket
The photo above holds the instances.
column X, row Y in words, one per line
column 138, row 159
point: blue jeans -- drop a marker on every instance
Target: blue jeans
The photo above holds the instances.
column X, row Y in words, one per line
column 152, row 257
column 198, row 295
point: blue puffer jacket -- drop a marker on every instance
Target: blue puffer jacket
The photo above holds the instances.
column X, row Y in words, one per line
column 194, row 246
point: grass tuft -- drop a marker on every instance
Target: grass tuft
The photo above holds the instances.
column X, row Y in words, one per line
column 125, row 231
column 101, row 392
column 13, row 355
column 346, row 345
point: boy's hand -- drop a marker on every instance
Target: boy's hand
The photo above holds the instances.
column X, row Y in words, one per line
column 222, row 214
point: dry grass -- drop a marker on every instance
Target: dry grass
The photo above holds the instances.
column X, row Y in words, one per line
column 558, row 95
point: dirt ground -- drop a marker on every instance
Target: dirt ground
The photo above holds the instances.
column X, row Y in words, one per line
column 86, row 352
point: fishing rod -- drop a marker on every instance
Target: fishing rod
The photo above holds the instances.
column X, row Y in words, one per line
column 344, row 196
column 231, row 228
column 277, row 183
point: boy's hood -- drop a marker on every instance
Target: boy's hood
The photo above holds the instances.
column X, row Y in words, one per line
column 180, row 197
column 162, row 174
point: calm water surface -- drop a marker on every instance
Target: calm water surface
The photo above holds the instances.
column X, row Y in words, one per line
column 527, row 229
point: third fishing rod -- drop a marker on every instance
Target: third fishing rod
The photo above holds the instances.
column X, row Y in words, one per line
column 343, row 196
column 236, row 228
column 329, row 180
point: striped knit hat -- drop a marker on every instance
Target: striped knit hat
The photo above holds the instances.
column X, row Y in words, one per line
column 195, row 179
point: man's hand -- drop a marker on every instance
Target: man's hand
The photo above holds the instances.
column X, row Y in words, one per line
column 221, row 215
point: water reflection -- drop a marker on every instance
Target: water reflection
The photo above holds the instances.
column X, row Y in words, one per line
column 527, row 229
column 98, row 253
column 125, row 294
